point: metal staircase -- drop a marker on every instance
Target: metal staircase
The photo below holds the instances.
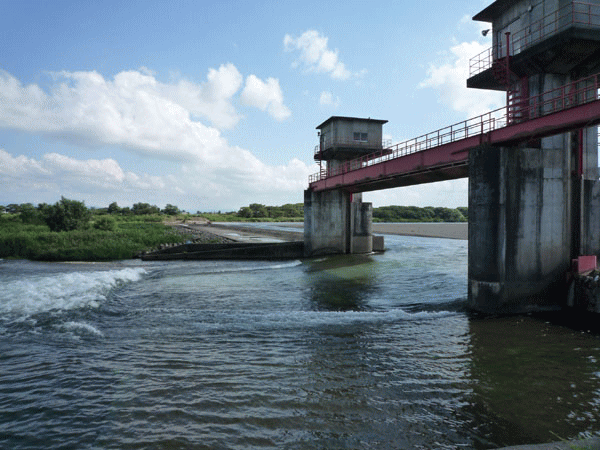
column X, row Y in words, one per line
column 517, row 90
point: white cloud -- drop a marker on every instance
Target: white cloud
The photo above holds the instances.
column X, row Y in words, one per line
column 316, row 56
column 265, row 96
column 449, row 194
column 134, row 112
column 327, row 99
column 449, row 79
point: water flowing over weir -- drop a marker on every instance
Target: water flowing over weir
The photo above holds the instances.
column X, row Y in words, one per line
column 323, row 353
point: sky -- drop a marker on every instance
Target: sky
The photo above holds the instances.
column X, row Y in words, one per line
column 212, row 105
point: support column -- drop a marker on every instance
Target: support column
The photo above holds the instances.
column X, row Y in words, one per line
column 531, row 210
column 336, row 222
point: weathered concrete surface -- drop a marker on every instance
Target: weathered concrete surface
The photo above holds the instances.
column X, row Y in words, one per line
column 336, row 222
column 582, row 444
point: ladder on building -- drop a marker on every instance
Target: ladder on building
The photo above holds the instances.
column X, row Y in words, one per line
column 517, row 90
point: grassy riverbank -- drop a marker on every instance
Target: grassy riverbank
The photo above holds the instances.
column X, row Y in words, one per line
column 130, row 235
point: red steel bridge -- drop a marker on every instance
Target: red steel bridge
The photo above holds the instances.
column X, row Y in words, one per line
column 443, row 154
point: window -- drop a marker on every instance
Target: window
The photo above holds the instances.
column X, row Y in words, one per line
column 361, row 137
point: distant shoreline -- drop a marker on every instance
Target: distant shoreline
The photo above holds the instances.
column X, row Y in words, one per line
column 444, row 230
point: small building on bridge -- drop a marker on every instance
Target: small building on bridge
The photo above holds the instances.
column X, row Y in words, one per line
column 343, row 138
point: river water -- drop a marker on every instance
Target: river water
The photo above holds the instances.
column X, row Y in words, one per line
column 371, row 352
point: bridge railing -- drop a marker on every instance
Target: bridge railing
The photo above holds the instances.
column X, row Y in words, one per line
column 583, row 14
column 568, row 96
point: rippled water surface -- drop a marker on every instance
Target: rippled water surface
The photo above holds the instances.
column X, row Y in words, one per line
column 372, row 352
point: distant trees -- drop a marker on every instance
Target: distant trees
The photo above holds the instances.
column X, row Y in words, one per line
column 171, row 210
column 417, row 214
column 67, row 215
column 144, row 208
column 258, row 211
column 70, row 214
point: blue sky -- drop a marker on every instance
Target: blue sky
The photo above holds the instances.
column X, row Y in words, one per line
column 212, row 105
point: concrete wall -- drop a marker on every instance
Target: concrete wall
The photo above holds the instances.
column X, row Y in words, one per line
column 342, row 131
column 529, row 215
column 336, row 222
column 537, row 16
column 519, row 223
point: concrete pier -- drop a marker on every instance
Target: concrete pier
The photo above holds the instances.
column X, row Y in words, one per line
column 336, row 222
column 531, row 211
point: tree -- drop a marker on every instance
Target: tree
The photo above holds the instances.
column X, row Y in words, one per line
column 245, row 212
column 145, row 208
column 12, row 208
column 67, row 215
column 29, row 214
column 258, row 210
column 170, row 210
column 113, row 208
column 105, row 223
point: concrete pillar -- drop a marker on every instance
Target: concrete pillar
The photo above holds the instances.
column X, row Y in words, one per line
column 532, row 208
column 530, row 213
column 361, row 226
column 336, row 222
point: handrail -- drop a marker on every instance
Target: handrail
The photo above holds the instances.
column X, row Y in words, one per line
column 568, row 96
column 348, row 142
column 575, row 13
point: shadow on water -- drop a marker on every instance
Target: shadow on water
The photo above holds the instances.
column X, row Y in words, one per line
column 341, row 283
column 532, row 380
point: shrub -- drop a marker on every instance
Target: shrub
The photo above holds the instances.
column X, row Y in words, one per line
column 105, row 223
column 67, row 215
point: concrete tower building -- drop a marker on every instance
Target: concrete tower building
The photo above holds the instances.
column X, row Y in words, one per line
column 533, row 206
column 337, row 221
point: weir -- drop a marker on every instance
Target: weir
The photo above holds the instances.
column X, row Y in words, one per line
column 534, row 196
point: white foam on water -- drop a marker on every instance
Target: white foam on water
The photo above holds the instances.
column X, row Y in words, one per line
column 319, row 319
column 254, row 268
column 63, row 291
column 80, row 328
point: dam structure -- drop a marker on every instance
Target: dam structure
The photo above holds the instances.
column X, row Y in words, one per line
column 534, row 200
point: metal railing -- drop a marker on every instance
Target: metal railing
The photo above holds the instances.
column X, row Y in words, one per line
column 573, row 14
column 568, row 96
column 351, row 143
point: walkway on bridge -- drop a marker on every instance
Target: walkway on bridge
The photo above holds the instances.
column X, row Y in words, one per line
column 443, row 154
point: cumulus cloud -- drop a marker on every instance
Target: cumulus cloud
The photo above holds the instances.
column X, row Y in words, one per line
column 265, row 96
column 316, row 56
column 449, row 79
column 327, row 99
column 135, row 112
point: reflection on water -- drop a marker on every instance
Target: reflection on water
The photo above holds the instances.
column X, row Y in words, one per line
column 341, row 283
column 533, row 380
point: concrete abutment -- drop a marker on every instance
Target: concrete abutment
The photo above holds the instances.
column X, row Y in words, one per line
column 337, row 222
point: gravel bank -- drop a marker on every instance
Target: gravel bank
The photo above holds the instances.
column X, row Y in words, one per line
column 439, row 230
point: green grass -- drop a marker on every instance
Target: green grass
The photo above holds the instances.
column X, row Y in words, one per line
column 130, row 236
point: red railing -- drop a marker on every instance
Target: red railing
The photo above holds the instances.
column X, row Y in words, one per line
column 573, row 14
column 573, row 94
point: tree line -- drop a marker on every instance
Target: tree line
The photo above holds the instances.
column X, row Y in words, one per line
column 380, row 214
column 417, row 214
column 69, row 215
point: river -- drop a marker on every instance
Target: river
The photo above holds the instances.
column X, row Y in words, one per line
column 355, row 352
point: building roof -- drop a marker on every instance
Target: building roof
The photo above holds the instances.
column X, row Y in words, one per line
column 332, row 118
column 490, row 13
